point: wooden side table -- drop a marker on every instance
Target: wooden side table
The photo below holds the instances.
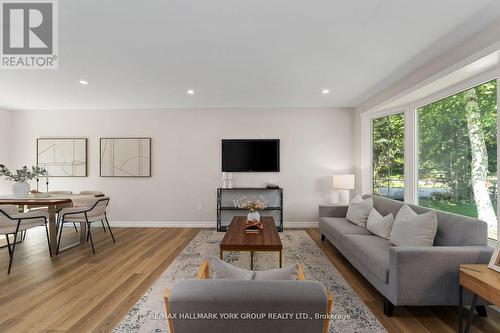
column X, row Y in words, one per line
column 481, row 282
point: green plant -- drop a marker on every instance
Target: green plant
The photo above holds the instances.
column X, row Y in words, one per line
column 23, row 174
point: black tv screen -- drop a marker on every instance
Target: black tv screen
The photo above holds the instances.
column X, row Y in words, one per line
column 254, row 155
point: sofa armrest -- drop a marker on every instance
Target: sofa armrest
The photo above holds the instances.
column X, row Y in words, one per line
column 204, row 271
column 332, row 211
column 428, row 275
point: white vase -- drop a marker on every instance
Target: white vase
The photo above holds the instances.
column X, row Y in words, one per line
column 21, row 189
column 253, row 216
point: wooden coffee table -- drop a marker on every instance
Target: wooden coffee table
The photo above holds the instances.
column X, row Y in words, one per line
column 267, row 240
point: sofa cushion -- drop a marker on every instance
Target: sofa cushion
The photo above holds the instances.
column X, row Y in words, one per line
column 371, row 251
column 336, row 227
column 418, row 230
column 358, row 210
column 379, row 225
column 405, row 213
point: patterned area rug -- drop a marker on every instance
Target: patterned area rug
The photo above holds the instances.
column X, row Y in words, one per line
column 352, row 315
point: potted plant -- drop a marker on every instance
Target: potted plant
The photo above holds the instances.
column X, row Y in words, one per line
column 253, row 206
column 21, row 176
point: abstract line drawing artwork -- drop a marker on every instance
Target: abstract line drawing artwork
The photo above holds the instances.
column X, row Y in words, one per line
column 125, row 157
column 62, row 157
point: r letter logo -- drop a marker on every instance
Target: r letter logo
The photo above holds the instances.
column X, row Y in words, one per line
column 29, row 34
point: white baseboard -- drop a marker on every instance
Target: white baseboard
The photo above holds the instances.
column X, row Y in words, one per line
column 301, row 225
column 193, row 224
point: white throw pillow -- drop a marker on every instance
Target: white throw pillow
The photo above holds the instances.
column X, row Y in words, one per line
column 222, row 270
column 286, row 273
column 405, row 213
column 416, row 230
column 380, row 225
column 358, row 210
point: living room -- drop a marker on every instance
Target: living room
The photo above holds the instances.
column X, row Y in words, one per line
column 180, row 155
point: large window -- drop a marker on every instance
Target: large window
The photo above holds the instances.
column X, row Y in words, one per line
column 388, row 156
column 457, row 154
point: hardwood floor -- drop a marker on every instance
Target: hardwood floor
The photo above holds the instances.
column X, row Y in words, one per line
column 406, row 319
column 78, row 292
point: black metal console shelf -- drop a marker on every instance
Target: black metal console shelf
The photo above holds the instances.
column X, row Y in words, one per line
column 221, row 207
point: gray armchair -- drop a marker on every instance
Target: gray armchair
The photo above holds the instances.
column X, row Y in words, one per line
column 251, row 304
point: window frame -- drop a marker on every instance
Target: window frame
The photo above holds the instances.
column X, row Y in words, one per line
column 386, row 113
column 411, row 157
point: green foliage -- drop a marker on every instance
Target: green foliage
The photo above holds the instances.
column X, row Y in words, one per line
column 444, row 146
column 22, row 174
column 388, row 150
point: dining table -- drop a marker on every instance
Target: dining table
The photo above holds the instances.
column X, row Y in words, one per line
column 54, row 203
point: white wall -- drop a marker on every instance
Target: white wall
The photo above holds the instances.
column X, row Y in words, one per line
column 5, row 144
column 186, row 157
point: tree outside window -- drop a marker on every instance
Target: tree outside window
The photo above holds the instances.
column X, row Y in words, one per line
column 388, row 156
column 457, row 140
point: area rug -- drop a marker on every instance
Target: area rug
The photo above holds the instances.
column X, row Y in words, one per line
column 351, row 314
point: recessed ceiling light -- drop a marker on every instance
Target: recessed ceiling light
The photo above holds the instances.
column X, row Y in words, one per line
column 190, row 92
column 325, row 91
column 83, row 82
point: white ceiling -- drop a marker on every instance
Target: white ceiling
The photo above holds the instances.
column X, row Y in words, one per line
column 259, row 53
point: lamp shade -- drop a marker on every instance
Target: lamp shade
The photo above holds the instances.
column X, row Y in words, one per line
column 343, row 182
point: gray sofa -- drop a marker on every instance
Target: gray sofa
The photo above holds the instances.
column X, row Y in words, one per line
column 414, row 275
column 254, row 303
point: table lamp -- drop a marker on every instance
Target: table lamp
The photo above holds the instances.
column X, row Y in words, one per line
column 342, row 184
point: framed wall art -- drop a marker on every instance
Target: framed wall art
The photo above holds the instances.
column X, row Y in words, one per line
column 125, row 157
column 62, row 157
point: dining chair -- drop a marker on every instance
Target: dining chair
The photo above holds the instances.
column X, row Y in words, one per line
column 95, row 193
column 63, row 193
column 13, row 222
column 96, row 212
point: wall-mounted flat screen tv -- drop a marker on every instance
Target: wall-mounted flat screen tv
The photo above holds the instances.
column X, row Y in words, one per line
column 251, row 155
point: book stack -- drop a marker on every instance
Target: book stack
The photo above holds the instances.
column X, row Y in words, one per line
column 253, row 227
column 252, row 231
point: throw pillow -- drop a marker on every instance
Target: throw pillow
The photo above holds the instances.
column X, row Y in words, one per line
column 285, row 273
column 358, row 210
column 380, row 225
column 405, row 213
column 419, row 230
column 223, row 270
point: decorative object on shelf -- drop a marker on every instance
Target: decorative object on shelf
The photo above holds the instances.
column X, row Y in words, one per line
column 224, row 180
column 21, row 187
column 64, row 157
column 125, row 157
column 272, row 186
column 253, row 227
column 227, row 180
column 495, row 259
column 342, row 184
column 253, row 205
